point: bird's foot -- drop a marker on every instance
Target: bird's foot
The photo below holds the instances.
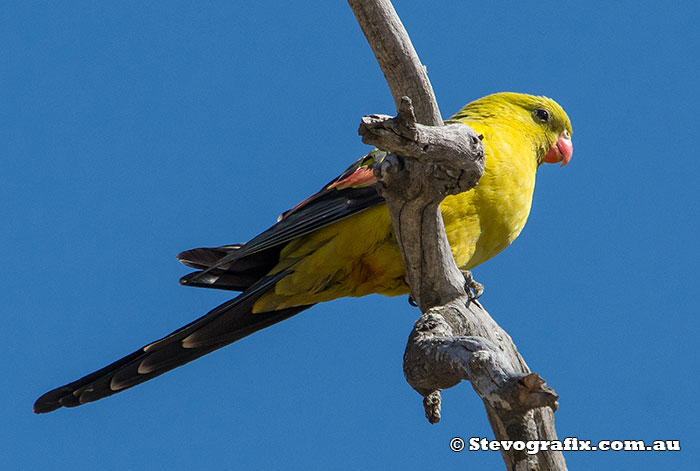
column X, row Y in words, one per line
column 412, row 301
column 474, row 288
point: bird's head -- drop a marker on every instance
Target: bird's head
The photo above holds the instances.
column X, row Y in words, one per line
column 540, row 118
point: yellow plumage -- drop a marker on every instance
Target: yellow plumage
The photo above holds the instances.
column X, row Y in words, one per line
column 359, row 255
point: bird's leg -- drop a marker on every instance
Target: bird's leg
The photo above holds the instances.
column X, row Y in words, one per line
column 474, row 288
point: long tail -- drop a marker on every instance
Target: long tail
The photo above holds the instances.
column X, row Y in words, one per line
column 223, row 325
column 237, row 267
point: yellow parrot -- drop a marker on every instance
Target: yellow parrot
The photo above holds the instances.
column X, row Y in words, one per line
column 339, row 242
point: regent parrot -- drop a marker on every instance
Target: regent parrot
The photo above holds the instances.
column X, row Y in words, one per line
column 339, row 242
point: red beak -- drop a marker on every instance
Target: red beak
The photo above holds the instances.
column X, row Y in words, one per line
column 561, row 151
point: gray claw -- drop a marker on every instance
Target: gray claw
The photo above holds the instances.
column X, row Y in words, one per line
column 474, row 288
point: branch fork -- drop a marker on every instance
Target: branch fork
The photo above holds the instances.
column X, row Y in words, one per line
column 454, row 153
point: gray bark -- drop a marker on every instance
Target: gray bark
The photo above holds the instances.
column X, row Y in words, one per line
column 397, row 58
column 455, row 338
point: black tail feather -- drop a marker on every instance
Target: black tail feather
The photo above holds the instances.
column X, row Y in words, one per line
column 223, row 325
column 237, row 275
column 219, row 280
column 202, row 258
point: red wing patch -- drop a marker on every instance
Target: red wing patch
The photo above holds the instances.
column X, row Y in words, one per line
column 361, row 177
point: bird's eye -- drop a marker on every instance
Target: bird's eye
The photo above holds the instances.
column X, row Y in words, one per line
column 542, row 115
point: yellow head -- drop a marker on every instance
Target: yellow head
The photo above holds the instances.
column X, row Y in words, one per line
column 540, row 118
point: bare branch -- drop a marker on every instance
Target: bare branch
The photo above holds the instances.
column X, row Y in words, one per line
column 455, row 338
column 397, row 58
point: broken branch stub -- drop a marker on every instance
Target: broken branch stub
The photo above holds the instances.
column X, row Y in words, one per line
column 437, row 358
column 450, row 156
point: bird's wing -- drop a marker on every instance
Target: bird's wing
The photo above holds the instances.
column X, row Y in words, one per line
column 235, row 267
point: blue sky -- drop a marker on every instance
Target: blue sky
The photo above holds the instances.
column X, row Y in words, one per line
column 132, row 131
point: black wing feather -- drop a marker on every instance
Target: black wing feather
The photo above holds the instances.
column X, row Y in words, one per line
column 231, row 267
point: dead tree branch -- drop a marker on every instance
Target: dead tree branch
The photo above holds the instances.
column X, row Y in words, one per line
column 397, row 58
column 455, row 338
